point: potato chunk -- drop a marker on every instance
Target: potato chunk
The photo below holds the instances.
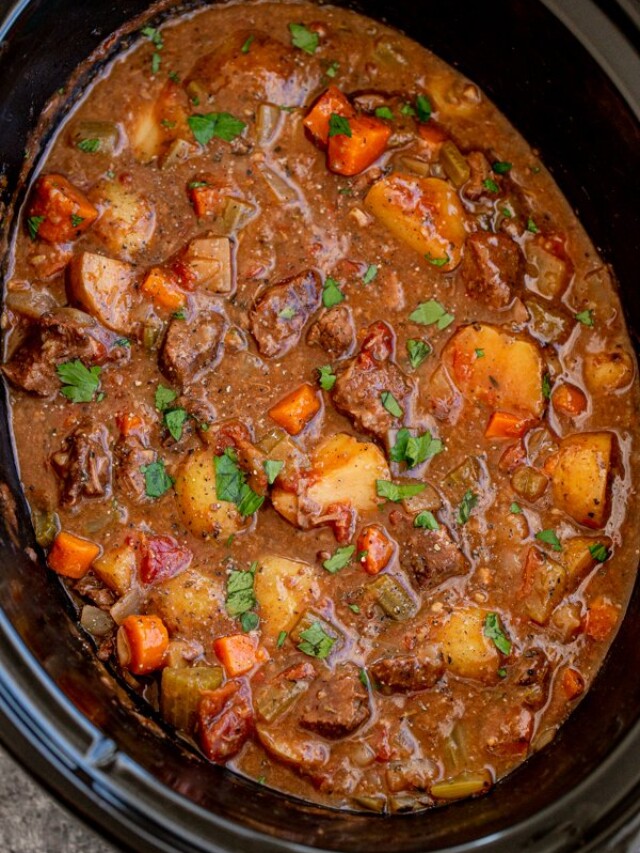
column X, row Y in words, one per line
column 426, row 213
column 202, row 513
column 343, row 471
column 283, row 589
column 607, row 372
column 209, row 261
column 543, row 586
column 103, row 287
column 507, row 377
column 117, row 568
column 127, row 221
column 580, row 477
column 189, row 603
column 467, row 651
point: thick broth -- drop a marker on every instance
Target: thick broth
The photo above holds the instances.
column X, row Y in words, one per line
column 506, row 576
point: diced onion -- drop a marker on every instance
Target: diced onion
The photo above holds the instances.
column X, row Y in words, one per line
column 129, row 604
column 268, row 121
column 95, row 621
column 282, row 190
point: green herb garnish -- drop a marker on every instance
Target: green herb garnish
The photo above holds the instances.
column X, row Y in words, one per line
column 339, row 126
column 215, row 125
column 469, row 501
column 326, row 377
column 340, row 559
column 427, row 520
column 240, row 595
column 79, row 383
column 315, row 642
column 418, row 350
column 414, row 449
column 398, row 492
column 494, row 631
column 272, row 468
column 391, row 404
column 331, row 293
column 549, row 537
column 585, row 317
column 430, row 312
column 33, row 225
column 370, row 274
column 156, row 479
column 304, row 38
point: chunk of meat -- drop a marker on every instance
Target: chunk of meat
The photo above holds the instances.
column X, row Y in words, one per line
column 281, row 312
column 336, row 704
column 366, row 377
column 407, row 673
column 480, row 172
column 531, row 673
column 192, row 348
column 225, row 720
column 491, row 268
column 130, row 455
column 431, row 556
column 83, row 463
column 162, row 558
column 334, row 331
column 56, row 337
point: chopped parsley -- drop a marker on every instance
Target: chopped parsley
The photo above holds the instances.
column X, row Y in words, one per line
column 585, row 317
column 549, row 537
column 79, row 383
column 423, row 108
column 304, row 38
column 599, row 552
column 76, row 221
column 168, row 124
column 246, row 47
column 89, row 146
column 501, row 167
column 326, row 377
column 287, row 313
column 196, row 185
column 331, row 293
column 272, row 468
column 164, row 397
column 156, row 479
column 417, row 350
column 507, row 213
column 215, row 125
column 490, row 184
column 154, row 35
column 179, row 315
column 427, row 520
column 315, row 642
column 340, row 559
column 249, row 621
column 479, row 353
column 430, row 312
column 515, row 508
column 494, row 631
column 282, row 636
column 122, row 342
column 174, row 77
column 33, row 225
column 332, row 69
column 407, row 110
column 546, row 386
column 391, row 404
column 364, row 678
column 339, row 125
column 240, row 595
column 354, row 608
column 231, row 485
column 156, row 62
column 370, row 274
column 532, row 227
column 438, row 262
column 174, row 421
column 415, row 449
column 398, row 492
column 384, row 112
column 468, row 502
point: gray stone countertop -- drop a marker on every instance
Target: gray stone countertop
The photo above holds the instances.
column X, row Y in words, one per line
column 31, row 821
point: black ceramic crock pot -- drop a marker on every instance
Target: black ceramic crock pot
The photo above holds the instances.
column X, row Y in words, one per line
column 567, row 74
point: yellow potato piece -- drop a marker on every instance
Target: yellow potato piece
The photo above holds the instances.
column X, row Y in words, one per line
column 201, row 511
column 283, row 589
column 580, row 478
column 127, row 220
column 189, row 604
column 508, row 377
column 467, row 652
column 425, row 213
column 577, row 558
column 103, row 287
column 117, row 568
column 606, row 372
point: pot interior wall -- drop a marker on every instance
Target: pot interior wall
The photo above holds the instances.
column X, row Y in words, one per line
column 564, row 104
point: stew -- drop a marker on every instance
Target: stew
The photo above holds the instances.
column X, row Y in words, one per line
column 324, row 406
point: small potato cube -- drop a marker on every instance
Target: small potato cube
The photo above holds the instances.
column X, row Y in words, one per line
column 145, row 133
column 507, row 377
column 103, row 287
column 209, row 261
column 606, row 372
column 127, row 222
column 467, row 651
column 551, row 273
column 425, row 213
column 203, row 514
column 117, row 568
column 578, row 559
column 283, row 589
column 580, row 477
column 60, row 211
column 544, row 583
column 189, row 604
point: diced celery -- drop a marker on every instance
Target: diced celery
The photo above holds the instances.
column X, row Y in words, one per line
column 181, row 690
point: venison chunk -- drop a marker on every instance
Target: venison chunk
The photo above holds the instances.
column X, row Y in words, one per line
column 406, row 673
column 334, row 331
column 83, row 463
column 225, row 720
column 431, row 556
column 282, row 311
column 192, row 348
column 336, row 704
column 491, row 268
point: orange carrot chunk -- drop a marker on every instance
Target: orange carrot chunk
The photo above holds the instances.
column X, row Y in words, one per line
column 59, row 212
column 572, row 683
column 505, row 425
column 72, row 556
column 376, row 549
column 350, row 155
column 161, row 287
column 237, row 653
column 141, row 644
column 569, row 400
column 601, row 618
column 207, row 200
column 331, row 102
column 295, row 410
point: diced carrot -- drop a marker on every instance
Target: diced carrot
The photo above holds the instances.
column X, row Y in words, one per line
column 569, row 400
column 141, row 643
column 207, row 200
column 376, row 548
column 72, row 556
column 295, row 410
column 237, row 653
column 601, row 618
column 60, row 211
column 161, row 287
column 550, row 464
column 130, row 423
column 433, row 135
column 572, row 683
column 505, row 425
column 513, row 456
column 350, row 155
column 331, row 102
